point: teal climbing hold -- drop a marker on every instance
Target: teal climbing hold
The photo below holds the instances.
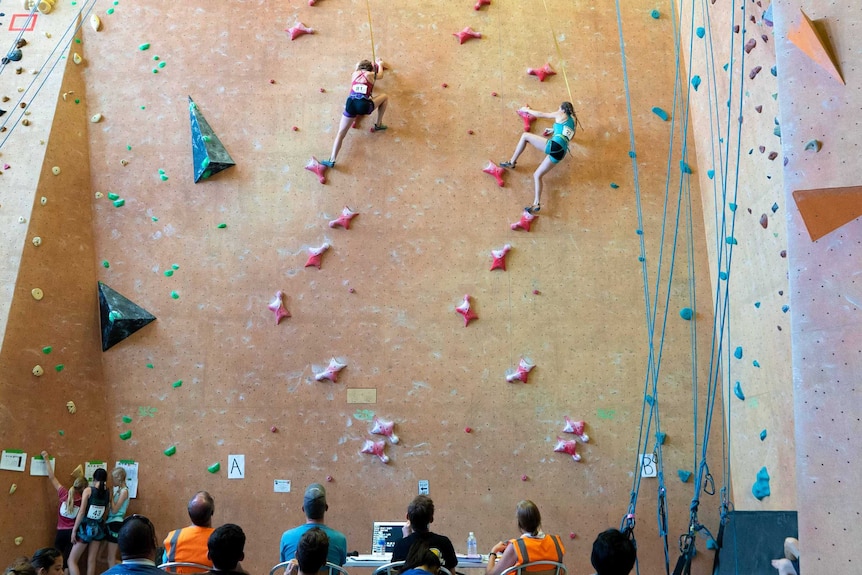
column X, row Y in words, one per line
column 686, row 313
column 641, row 259
column 762, row 435
column 731, row 241
column 760, row 489
column 639, row 232
column 711, row 544
column 737, row 391
column 701, row 31
column 632, row 154
column 710, row 174
column 162, row 64
column 144, row 47
column 684, row 475
column 774, row 208
column 119, row 203
column 660, row 437
column 650, row 399
column 732, row 206
column 686, row 169
column 695, row 82
column 614, row 185
column 175, row 266
column 755, row 363
column 169, row 273
column 112, row 196
column 722, row 275
column 757, row 304
column 785, row 308
column 737, row 353
column 655, row 14
column 660, row 113
column 175, row 295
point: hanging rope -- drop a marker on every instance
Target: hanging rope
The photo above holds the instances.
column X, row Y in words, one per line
column 370, row 31
column 561, row 60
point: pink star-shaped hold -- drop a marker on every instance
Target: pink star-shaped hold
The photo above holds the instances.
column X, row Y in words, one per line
column 480, row 3
column 464, row 309
column 528, row 119
column 277, row 307
column 576, row 427
column 542, row 72
column 495, row 171
column 500, row 258
column 298, row 30
column 315, row 166
column 376, row 448
column 466, row 34
column 569, row 446
column 525, row 222
column 331, row 371
column 383, row 427
column 524, row 368
column 344, row 219
column 314, row 256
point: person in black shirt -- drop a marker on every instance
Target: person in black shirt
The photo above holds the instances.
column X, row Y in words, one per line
column 420, row 514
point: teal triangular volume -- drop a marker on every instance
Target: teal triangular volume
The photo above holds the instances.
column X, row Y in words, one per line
column 208, row 154
column 120, row 317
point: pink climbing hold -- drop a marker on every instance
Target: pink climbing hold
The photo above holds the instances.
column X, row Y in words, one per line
column 466, row 34
column 541, row 73
column 749, row 46
column 573, row 535
column 576, row 427
column 524, row 477
column 344, row 219
column 331, row 371
column 468, row 430
column 480, row 3
column 314, row 256
column 383, row 427
column 376, row 448
column 464, row 309
column 298, row 30
column 754, row 72
column 527, row 117
column 524, row 368
column 569, row 446
column 277, row 307
column 273, row 429
column 318, row 168
column 495, row 171
column 329, row 479
column 499, row 256
column 525, row 222
column 312, row 2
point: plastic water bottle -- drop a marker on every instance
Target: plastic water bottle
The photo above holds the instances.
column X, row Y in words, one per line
column 472, row 547
column 381, row 544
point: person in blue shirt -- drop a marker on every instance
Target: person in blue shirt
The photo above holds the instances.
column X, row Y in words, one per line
column 315, row 508
column 555, row 144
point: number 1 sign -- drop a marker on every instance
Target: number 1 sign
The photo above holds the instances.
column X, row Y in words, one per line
column 13, row 460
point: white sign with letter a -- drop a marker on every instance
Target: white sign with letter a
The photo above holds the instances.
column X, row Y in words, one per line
column 236, row 466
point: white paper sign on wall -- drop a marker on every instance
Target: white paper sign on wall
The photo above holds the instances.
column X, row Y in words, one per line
column 236, row 466
column 648, row 465
column 281, row 486
column 13, row 460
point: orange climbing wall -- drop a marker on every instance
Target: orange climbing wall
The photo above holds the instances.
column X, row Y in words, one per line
column 572, row 299
column 823, row 274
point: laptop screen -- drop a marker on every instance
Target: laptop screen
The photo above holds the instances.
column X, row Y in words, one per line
column 389, row 532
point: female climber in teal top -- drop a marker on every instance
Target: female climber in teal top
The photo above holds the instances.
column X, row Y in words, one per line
column 555, row 146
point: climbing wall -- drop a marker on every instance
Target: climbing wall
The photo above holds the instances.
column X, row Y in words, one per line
column 823, row 278
column 216, row 375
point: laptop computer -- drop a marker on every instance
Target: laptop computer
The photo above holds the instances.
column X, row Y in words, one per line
column 384, row 537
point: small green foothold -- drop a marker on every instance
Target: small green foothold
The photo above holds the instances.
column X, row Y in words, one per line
column 61, row 432
column 206, row 174
column 177, row 383
column 149, row 366
column 162, row 64
column 161, row 171
column 222, row 226
column 143, row 107
column 114, row 315
column 154, row 218
column 175, row 266
column 59, row 367
column 112, row 196
column 47, row 349
column 144, row 47
column 127, row 419
column 169, row 273
column 164, row 178
column 205, row 162
column 206, row 138
column 155, row 70
column 175, row 295
column 156, row 58
column 77, row 100
column 119, row 203
column 116, row 2
column 129, row 147
column 109, row 11
column 214, row 467
column 171, row 450
column 126, row 435
column 106, row 264
column 77, row 40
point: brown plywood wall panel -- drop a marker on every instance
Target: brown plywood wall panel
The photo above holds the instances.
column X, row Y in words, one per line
column 384, row 299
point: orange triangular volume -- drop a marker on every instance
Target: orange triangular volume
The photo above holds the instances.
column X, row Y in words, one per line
column 827, row 209
column 816, row 46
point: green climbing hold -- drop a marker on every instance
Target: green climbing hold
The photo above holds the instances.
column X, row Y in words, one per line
column 154, row 218
column 177, row 383
column 175, row 295
column 614, row 185
column 684, row 475
column 214, row 467
column 144, row 47
column 112, row 196
column 149, row 366
column 143, row 107
column 205, row 162
column 127, row 419
column 206, row 174
column 156, row 58
column 109, row 11
column 129, row 147
column 126, row 435
column 206, row 138
column 222, row 226
column 77, row 40
column 47, row 349
column 175, row 266
column 106, row 264
column 77, row 100
column 61, row 432
column 114, row 315
column 155, row 70
column 119, row 203
column 169, row 273
column 162, row 64
column 59, row 367
column 164, row 178
column 171, row 450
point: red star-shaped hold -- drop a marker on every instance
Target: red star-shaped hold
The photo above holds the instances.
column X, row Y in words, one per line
column 464, row 310
column 466, row 34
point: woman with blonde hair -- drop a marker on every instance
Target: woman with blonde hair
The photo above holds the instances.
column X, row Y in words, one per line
column 119, row 504
column 532, row 545
column 70, row 502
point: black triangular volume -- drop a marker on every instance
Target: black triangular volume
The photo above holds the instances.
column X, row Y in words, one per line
column 120, row 317
column 208, row 153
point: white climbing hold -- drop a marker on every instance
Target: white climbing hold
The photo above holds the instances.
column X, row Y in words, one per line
column 37, row 294
column 22, row 220
column 55, row 170
column 13, row 488
column 76, row 58
column 95, row 22
column 19, row 540
column 38, row 371
column 37, row 241
column 43, row 200
column 99, row 195
column 70, row 405
column 96, row 118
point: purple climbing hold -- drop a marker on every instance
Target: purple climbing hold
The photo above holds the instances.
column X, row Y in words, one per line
column 749, row 46
column 764, row 221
